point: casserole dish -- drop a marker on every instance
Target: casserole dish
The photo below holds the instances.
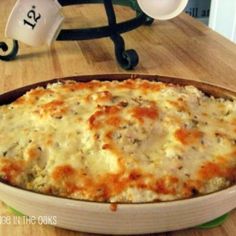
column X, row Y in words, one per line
column 122, row 218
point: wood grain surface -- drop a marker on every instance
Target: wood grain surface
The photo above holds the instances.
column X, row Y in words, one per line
column 181, row 47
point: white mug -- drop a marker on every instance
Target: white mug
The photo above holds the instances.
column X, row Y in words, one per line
column 162, row 9
column 35, row 22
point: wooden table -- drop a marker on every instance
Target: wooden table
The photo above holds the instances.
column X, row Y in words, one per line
column 181, row 47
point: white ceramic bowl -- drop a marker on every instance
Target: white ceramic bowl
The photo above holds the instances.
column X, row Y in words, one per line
column 162, row 9
column 128, row 218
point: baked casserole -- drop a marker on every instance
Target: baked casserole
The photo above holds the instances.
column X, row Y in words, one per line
column 118, row 141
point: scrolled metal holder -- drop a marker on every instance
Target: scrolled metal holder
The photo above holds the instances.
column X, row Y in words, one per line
column 13, row 52
column 127, row 59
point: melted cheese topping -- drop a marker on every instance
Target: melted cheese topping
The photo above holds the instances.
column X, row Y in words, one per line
column 131, row 141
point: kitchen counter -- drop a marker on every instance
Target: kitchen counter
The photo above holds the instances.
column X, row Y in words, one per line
column 182, row 47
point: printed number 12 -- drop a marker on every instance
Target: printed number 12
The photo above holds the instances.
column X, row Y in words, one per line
column 32, row 17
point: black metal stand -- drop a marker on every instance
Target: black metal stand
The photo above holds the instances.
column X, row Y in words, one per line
column 127, row 59
column 13, row 52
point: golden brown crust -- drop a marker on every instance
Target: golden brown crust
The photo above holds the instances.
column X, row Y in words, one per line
column 130, row 141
